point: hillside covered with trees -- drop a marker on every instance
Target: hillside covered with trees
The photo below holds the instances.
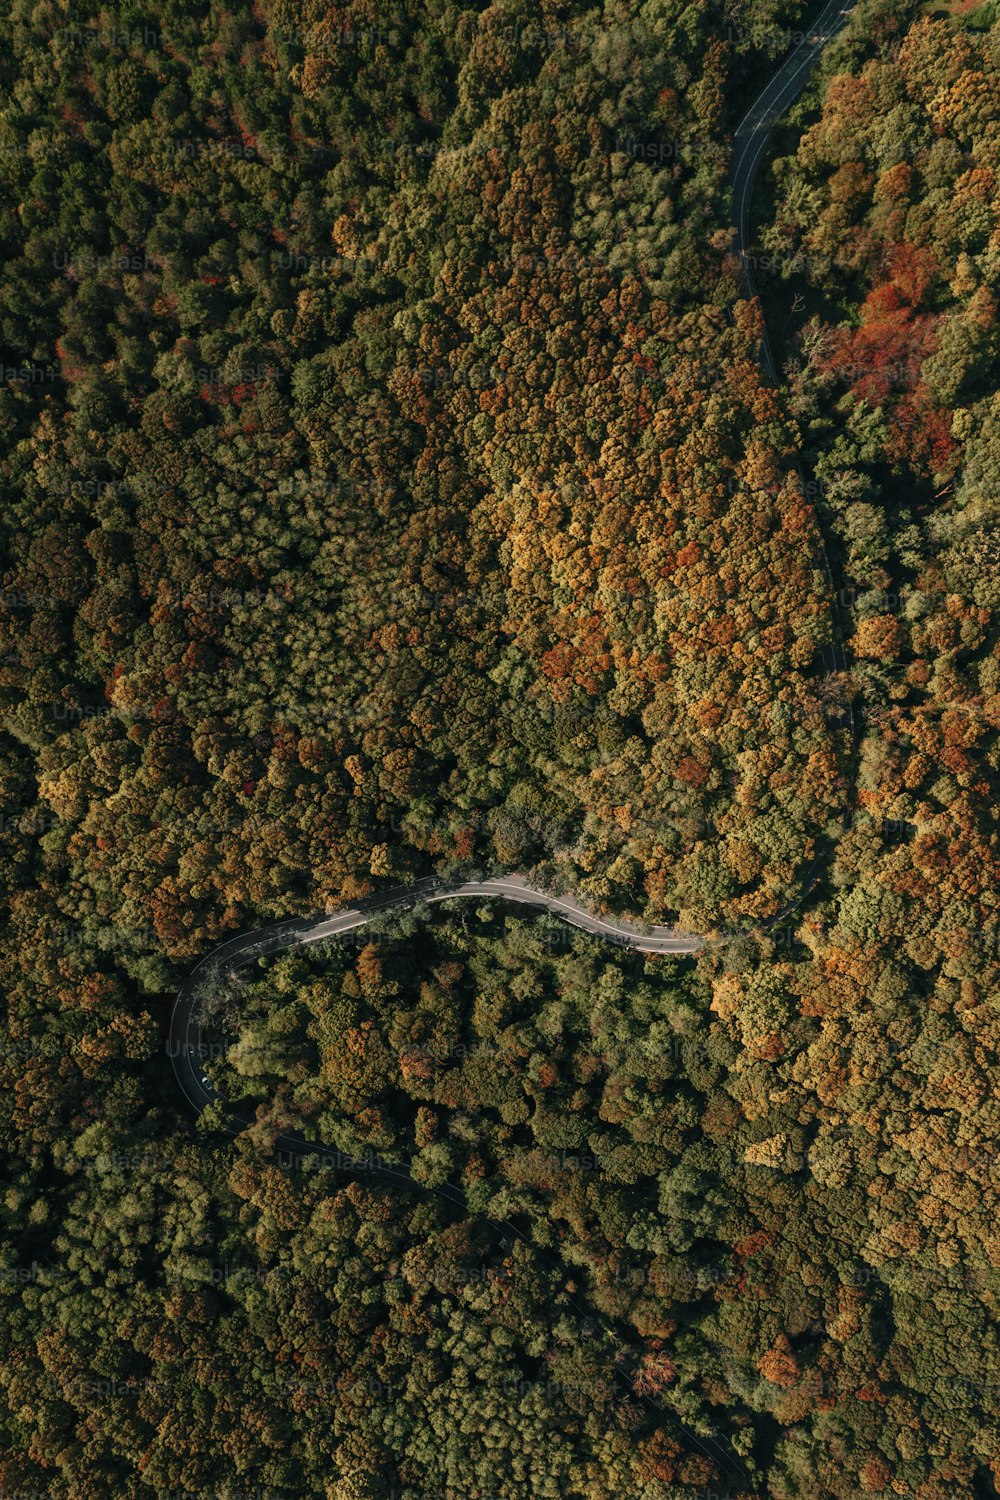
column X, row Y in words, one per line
column 391, row 487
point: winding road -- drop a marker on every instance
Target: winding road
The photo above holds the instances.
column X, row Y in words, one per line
column 749, row 144
column 187, row 1049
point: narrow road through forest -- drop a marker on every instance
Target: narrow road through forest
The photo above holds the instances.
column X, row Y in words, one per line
column 749, row 143
column 755, row 129
column 186, row 1044
column 185, row 1029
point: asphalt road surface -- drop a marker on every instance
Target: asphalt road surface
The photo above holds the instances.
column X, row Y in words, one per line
column 186, row 1050
column 749, row 144
column 754, row 131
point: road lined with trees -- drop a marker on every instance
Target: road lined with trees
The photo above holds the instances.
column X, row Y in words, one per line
column 750, row 141
column 394, row 486
column 185, row 1032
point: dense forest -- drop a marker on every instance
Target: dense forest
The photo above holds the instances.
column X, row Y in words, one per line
column 391, row 487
